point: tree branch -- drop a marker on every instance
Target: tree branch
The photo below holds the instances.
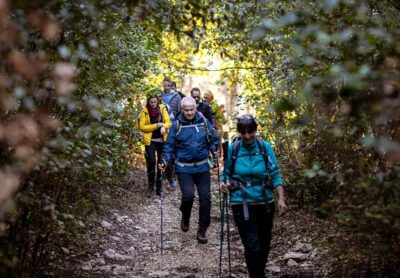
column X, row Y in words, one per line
column 228, row 68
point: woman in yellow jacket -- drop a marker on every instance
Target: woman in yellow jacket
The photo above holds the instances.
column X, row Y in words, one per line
column 154, row 122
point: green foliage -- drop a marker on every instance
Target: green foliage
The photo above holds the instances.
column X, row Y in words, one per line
column 322, row 76
column 324, row 83
column 81, row 116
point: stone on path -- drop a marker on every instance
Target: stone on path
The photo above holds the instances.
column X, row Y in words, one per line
column 106, row 224
column 298, row 246
column 291, row 262
column 295, row 256
column 159, row 274
column 111, row 254
column 273, row 268
column 87, row 266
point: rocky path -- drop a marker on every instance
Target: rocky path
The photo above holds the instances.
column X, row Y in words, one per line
column 126, row 242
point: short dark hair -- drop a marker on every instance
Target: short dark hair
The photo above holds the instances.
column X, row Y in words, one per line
column 194, row 89
column 167, row 79
column 246, row 123
column 173, row 83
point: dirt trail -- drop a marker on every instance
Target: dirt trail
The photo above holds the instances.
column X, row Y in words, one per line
column 126, row 242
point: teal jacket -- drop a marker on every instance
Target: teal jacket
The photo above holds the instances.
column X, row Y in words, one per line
column 250, row 166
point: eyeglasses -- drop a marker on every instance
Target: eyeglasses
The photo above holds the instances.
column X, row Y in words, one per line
column 196, row 97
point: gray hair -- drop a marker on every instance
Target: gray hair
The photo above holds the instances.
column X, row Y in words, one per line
column 188, row 101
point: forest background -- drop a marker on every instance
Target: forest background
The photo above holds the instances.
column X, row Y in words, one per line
column 323, row 77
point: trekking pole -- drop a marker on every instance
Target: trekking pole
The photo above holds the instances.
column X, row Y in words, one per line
column 221, row 237
column 161, row 214
column 228, row 236
column 221, row 217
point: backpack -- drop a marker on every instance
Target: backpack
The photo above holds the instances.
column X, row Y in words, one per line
column 267, row 183
column 170, row 113
column 207, row 128
column 235, row 152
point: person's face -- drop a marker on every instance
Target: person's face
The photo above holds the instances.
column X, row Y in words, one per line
column 159, row 97
column 167, row 86
column 196, row 95
column 208, row 98
column 153, row 102
column 248, row 137
column 189, row 112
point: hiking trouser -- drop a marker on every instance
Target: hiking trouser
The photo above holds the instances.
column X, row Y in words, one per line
column 202, row 181
column 151, row 163
column 170, row 171
column 255, row 234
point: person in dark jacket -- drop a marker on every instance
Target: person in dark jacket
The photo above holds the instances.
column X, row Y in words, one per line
column 250, row 183
column 202, row 106
column 190, row 139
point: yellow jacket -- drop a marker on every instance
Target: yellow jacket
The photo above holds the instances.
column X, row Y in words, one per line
column 147, row 127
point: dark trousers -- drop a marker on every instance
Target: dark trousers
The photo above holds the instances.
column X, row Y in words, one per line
column 151, row 163
column 256, row 236
column 170, row 171
column 187, row 182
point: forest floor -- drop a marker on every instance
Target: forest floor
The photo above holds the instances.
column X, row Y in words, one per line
column 125, row 242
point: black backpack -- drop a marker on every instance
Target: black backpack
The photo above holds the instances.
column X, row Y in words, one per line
column 235, row 152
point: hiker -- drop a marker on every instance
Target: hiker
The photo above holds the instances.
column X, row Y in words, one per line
column 173, row 102
column 190, row 140
column 175, row 89
column 153, row 122
column 171, row 99
column 218, row 117
column 202, row 106
column 250, row 174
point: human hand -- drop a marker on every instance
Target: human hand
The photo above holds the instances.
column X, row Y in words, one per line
column 225, row 187
column 161, row 166
column 217, row 154
column 162, row 130
column 281, row 206
column 160, row 125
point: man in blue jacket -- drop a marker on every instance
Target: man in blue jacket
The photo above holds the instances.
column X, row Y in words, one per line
column 190, row 139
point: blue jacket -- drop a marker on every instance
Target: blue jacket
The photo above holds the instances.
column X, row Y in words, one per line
column 190, row 144
column 173, row 100
column 250, row 166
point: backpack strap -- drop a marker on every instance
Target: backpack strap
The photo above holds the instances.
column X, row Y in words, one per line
column 178, row 126
column 267, row 182
column 235, row 152
column 206, row 127
column 263, row 151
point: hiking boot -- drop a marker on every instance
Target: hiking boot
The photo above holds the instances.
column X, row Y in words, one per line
column 172, row 184
column 201, row 237
column 185, row 224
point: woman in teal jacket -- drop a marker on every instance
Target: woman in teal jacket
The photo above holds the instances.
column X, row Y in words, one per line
column 250, row 182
